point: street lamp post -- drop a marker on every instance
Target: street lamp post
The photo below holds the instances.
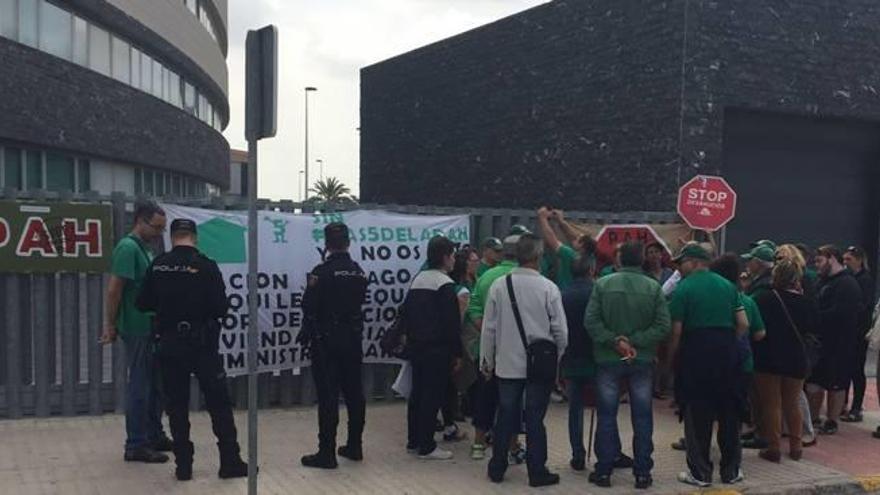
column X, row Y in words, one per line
column 300, row 187
column 308, row 90
column 321, row 165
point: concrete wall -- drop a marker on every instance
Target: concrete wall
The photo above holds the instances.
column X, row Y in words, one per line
column 50, row 103
column 604, row 105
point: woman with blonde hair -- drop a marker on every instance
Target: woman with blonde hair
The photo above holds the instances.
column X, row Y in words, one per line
column 781, row 359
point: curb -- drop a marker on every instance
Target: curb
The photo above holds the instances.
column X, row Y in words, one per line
column 857, row 486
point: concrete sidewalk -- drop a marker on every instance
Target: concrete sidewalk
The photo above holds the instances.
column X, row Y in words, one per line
column 84, row 456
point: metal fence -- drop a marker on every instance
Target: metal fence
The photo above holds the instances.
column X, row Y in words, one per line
column 50, row 323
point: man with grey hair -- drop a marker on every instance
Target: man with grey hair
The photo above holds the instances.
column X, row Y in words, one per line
column 522, row 302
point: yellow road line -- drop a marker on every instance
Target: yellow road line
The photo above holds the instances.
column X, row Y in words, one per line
column 870, row 484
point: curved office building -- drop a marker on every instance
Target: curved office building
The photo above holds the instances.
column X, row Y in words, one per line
column 114, row 95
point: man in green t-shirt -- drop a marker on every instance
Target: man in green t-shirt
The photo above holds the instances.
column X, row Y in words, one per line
column 492, row 253
column 560, row 256
column 131, row 258
column 707, row 318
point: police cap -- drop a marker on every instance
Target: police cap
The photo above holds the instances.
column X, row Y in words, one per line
column 182, row 225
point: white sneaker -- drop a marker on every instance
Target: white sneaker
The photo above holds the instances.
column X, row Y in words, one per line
column 687, row 478
column 437, row 454
column 739, row 478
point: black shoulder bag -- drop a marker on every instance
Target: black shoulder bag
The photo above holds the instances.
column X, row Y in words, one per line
column 542, row 356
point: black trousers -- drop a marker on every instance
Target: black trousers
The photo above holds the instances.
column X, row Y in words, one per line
column 338, row 370
column 859, row 380
column 699, row 417
column 429, row 383
column 207, row 366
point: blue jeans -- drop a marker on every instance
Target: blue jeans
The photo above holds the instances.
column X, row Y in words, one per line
column 510, row 397
column 639, row 379
column 143, row 410
column 575, row 390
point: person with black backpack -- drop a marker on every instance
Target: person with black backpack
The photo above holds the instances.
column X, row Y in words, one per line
column 524, row 333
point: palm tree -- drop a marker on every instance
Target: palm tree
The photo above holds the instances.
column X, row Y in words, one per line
column 332, row 190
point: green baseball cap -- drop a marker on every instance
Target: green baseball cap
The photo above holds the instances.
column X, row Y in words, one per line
column 761, row 252
column 519, row 229
column 493, row 243
column 763, row 242
column 692, row 251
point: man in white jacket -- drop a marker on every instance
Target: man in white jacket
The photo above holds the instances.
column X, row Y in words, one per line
column 503, row 354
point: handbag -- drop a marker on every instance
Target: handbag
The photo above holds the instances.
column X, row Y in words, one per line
column 393, row 342
column 812, row 346
column 542, row 356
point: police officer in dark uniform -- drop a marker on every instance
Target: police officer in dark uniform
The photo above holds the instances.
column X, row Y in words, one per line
column 188, row 295
column 332, row 328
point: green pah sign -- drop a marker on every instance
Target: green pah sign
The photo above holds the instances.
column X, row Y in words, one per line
column 54, row 237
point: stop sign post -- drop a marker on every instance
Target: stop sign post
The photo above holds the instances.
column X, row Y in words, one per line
column 707, row 203
column 613, row 235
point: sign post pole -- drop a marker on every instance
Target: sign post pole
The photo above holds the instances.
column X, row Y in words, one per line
column 253, row 326
column 261, row 96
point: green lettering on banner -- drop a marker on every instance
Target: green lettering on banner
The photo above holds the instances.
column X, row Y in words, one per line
column 55, row 237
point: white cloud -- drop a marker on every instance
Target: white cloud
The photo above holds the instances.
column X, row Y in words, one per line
column 325, row 43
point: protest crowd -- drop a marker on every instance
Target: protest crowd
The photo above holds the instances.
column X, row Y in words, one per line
column 764, row 345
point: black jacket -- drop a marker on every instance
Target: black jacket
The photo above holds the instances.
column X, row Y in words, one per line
column 431, row 315
column 866, row 282
column 840, row 304
column 575, row 299
column 183, row 285
column 337, row 289
column 783, row 351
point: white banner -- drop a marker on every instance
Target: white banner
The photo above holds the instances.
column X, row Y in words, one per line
column 390, row 247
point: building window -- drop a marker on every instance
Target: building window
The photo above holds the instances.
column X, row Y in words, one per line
column 59, row 172
column 191, row 5
column 136, row 67
column 160, row 183
column 84, row 176
column 138, row 181
column 178, row 186
column 121, row 61
column 12, row 166
column 9, row 19
column 189, row 98
column 99, row 50
column 80, row 42
column 34, row 170
column 55, row 31
column 27, row 22
column 174, row 89
column 158, row 79
column 146, row 73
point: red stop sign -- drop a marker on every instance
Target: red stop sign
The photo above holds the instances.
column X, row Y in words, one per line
column 707, row 203
column 613, row 235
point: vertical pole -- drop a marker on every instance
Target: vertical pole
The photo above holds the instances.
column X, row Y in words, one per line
column 306, row 191
column 253, row 317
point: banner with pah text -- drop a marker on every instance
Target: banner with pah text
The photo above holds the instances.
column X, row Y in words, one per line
column 390, row 247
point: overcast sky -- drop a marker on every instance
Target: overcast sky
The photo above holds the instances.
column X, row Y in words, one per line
column 325, row 43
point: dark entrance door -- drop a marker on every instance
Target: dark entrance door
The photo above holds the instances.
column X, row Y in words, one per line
column 802, row 179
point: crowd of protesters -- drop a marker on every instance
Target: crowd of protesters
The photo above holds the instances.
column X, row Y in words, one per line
column 770, row 341
column 773, row 338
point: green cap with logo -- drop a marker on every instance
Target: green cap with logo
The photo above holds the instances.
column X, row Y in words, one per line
column 761, row 252
column 763, row 242
column 492, row 243
column 692, row 252
column 519, row 229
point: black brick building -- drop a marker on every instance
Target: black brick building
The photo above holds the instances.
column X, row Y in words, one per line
column 610, row 106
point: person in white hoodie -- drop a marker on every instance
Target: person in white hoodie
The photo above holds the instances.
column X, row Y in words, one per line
column 503, row 354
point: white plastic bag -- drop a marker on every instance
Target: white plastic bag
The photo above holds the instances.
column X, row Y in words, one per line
column 873, row 336
column 403, row 384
